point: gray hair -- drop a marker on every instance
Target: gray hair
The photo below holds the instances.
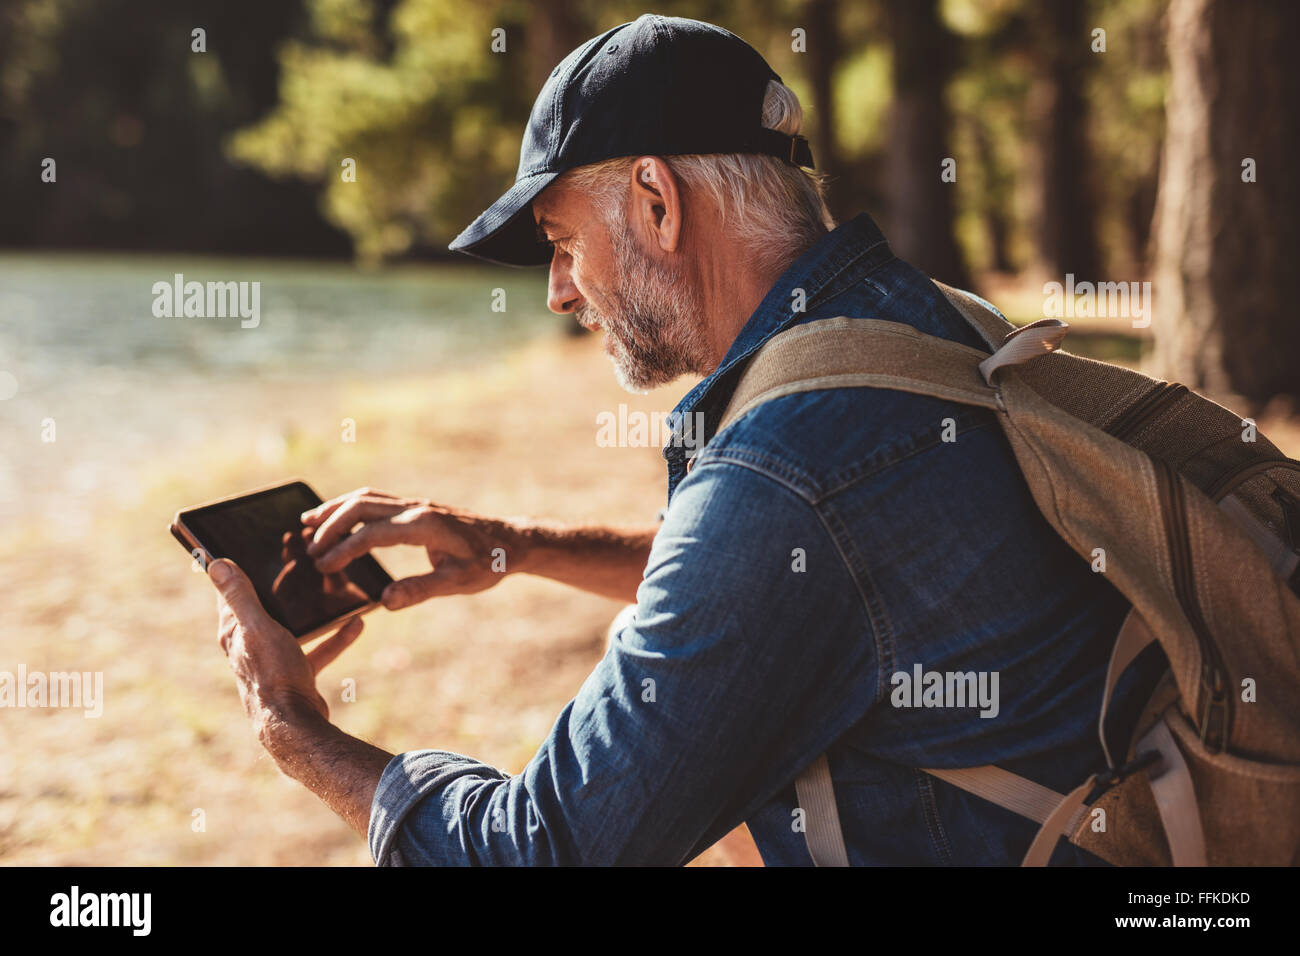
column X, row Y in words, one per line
column 772, row 209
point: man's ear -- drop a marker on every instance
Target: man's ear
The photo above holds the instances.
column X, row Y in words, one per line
column 656, row 202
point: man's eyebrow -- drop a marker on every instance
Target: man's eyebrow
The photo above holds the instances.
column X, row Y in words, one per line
column 544, row 226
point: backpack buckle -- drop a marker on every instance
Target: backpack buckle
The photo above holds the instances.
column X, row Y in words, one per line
column 1112, row 776
column 1025, row 343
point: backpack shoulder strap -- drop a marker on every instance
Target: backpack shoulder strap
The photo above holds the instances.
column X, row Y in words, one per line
column 871, row 353
column 979, row 314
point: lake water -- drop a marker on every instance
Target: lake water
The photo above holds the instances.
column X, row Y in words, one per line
column 63, row 314
column 80, row 346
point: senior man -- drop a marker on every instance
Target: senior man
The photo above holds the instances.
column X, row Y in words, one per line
column 813, row 551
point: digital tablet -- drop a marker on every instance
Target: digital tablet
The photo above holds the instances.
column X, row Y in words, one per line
column 262, row 532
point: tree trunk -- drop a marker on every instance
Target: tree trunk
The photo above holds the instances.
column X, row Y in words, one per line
column 1226, row 248
column 823, row 55
column 997, row 221
column 555, row 29
column 1065, row 225
column 921, row 210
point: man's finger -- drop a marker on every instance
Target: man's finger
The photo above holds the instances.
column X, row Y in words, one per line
column 377, row 534
column 324, row 653
column 237, row 592
column 338, row 524
column 419, row 587
column 314, row 516
column 325, row 509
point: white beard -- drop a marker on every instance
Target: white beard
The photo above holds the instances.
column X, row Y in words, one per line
column 655, row 329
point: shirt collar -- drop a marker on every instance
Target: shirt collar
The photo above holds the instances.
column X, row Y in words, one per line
column 835, row 261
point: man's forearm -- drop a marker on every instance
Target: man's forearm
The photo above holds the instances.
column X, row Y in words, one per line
column 342, row 770
column 606, row 561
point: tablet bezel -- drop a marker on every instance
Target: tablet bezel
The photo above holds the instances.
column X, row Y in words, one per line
column 200, row 552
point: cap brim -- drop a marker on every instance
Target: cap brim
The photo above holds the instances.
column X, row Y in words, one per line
column 505, row 232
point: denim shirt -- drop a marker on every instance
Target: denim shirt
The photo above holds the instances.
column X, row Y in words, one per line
column 816, row 552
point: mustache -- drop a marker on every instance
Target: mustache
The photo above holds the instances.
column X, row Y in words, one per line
column 589, row 316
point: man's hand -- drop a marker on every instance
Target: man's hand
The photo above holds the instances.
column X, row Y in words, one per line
column 277, row 683
column 275, row 677
column 470, row 552
column 467, row 552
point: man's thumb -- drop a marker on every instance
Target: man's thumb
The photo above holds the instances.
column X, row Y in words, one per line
column 221, row 572
column 236, row 590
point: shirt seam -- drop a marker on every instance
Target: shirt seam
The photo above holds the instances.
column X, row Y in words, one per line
column 815, row 492
column 930, row 812
column 878, row 640
column 927, row 441
column 820, row 297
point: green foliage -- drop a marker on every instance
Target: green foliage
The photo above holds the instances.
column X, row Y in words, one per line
column 113, row 92
column 429, row 126
column 993, row 134
column 413, row 93
column 433, row 117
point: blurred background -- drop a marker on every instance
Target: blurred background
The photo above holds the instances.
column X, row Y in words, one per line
column 329, row 150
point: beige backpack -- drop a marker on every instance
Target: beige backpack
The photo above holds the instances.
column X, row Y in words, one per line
column 1199, row 519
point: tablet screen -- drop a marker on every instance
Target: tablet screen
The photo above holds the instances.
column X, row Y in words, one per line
column 264, row 535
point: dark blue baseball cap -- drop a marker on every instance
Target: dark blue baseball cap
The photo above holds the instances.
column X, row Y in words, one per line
column 659, row 86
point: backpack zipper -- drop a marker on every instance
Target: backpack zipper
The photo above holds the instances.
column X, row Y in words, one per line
column 1215, row 706
column 1227, row 483
column 1146, row 408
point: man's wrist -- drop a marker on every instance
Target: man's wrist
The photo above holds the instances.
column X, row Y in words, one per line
column 340, row 769
column 604, row 560
column 287, row 726
column 524, row 541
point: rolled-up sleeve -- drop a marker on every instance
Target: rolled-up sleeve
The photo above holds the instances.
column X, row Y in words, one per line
column 745, row 659
column 407, row 779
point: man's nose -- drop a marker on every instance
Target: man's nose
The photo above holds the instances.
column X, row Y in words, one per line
column 562, row 296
